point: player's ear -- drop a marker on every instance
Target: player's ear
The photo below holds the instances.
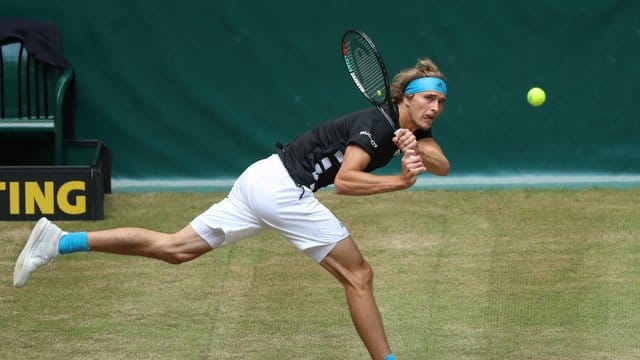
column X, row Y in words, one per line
column 406, row 99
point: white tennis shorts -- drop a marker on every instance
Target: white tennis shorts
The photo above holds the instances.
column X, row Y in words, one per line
column 263, row 197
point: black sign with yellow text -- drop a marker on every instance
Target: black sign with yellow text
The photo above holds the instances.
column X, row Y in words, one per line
column 57, row 192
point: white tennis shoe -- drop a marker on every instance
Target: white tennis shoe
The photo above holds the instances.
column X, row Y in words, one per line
column 40, row 249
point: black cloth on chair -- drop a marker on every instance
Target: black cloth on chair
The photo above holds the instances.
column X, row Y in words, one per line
column 41, row 39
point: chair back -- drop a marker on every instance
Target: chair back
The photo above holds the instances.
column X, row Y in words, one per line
column 27, row 86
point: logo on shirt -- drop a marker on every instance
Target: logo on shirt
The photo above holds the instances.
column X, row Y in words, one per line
column 368, row 134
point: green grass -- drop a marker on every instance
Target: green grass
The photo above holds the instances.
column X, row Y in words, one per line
column 517, row 274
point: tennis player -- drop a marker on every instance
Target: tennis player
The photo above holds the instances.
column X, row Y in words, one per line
column 278, row 192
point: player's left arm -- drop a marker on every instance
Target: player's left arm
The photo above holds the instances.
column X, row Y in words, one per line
column 432, row 157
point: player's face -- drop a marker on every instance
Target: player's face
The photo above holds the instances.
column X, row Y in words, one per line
column 424, row 107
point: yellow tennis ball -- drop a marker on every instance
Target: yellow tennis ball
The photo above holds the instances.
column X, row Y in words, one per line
column 536, row 96
column 378, row 93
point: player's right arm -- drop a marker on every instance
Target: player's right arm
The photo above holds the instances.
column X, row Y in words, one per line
column 351, row 179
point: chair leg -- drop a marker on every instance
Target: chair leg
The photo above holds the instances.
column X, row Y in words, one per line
column 58, row 151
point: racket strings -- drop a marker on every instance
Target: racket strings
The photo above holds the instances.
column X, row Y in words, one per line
column 367, row 70
column 372, row 75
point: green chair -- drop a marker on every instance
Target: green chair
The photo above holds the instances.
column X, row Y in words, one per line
column 34, row 96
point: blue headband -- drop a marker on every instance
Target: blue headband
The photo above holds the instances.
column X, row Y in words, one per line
column 426, row 84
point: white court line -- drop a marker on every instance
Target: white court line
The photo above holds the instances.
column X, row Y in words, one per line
column 424, row 182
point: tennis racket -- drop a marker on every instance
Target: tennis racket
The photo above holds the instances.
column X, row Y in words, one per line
column 367, row 70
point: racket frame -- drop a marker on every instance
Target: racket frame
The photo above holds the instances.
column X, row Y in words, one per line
column 358, row 83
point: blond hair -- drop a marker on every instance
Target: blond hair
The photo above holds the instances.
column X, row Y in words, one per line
column 423, row 68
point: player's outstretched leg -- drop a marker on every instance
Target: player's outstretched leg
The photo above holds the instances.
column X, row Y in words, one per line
column 346, row 263
column 47, row 241
column 40, row 249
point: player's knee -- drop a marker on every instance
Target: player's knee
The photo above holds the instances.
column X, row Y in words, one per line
column 173, row 259
column 361, row 278
column 176, row 258
column 174, row 252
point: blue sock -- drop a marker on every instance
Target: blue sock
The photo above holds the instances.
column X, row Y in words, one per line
column 73, row 242
column 390, row 357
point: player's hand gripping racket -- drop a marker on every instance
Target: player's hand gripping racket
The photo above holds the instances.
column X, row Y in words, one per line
column 367, row 70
